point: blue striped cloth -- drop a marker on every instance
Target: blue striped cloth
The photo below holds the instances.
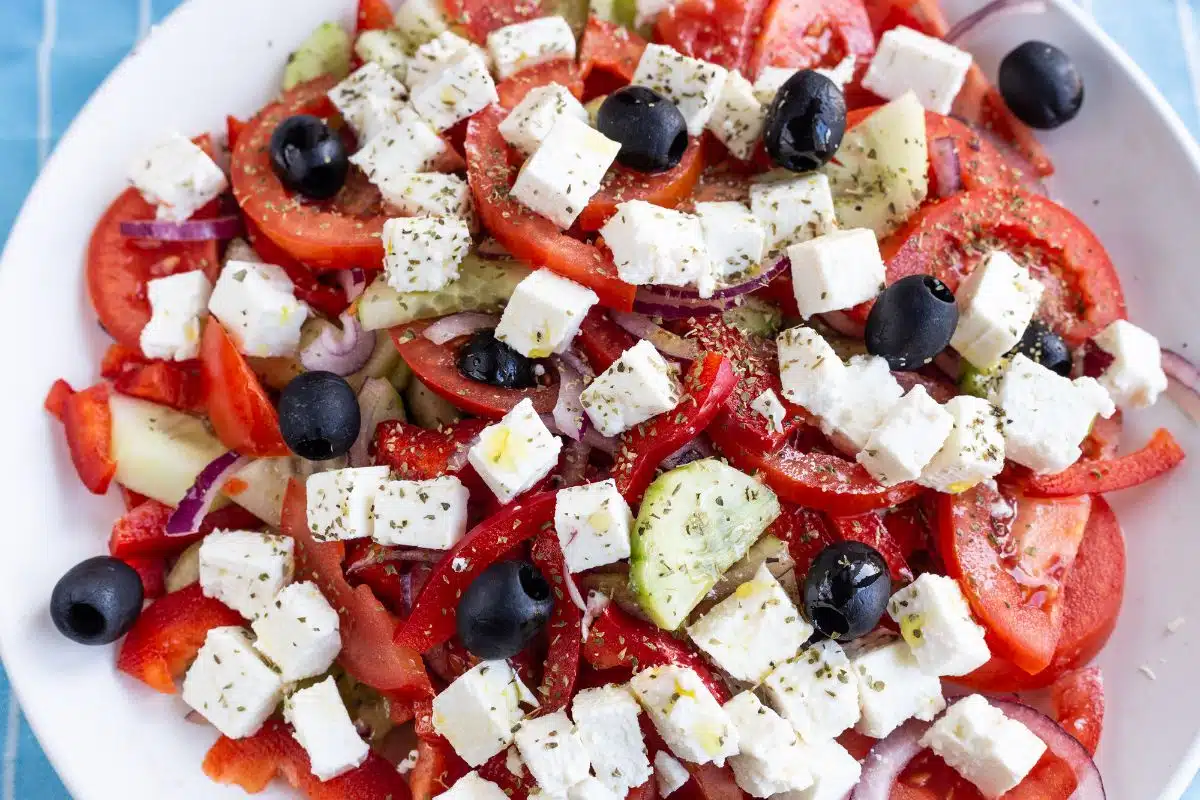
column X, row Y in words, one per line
column 54, row 53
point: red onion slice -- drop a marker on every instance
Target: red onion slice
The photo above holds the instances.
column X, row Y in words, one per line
column 694, row 450
column 379, row 554
column 198, row 499
column 574, row 471
column 1062, row 744
column 573, row 591
column 887, row 759
column 591, row 436
column 943, row 159
column 664, row 341
column 1184, row 386
column 993, row 9
column 657, row 305
column 462, row 324
column 747, row 285
column 950, row 363
column 568, row 409
column 593, row 608
column 578, row 364
column 844, row 324
column 376, row 404
column 191, row 230
column 458, row 459
column 353, row 281
column 340, row 352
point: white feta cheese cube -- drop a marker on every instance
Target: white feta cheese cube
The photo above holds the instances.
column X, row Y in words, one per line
column 835, row 772
column 422, row 254
column 473, row 787
column 178, row 305
column 984, row 746
column 868, row 392
column 544, row 314
column 298, row 632
column 637, row 386
column 651, row 244
column 974, row 450
column 995, row 302
column 841, row 73
column 909, row 436
column 369, row 100
column 793, row 211
column 527, row 44
column 669, row 774
column 407, row 145
column 529, row 123
column 552, row 750
column 178, row 177
column 812, row 374
column 340, row 502
column 431, row 58
column 479, row 711
column 592, row 789
column 1135, row 378
column 753, row 630
column 515, row 453
column 461, row 89
column 230, row 686
column 593, row 523
column 909, row 61
column 737, row 121
column 892, row 688
column 767, row 404
column 815, row 692
column 606, row 720
column 322, row 726
column 687, row 716
column 427, row 194
column 694, row 86
column 430, row 514
column 245, row 570
column 256, row 305
column 771, row 760
column 561, row 176
column 388, row 49
column 733, row 238
column 836, row 271
column 1046, row 416
column 936, row 621
column 769, row 81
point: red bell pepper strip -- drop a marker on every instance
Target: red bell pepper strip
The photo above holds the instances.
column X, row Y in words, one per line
column 870, row 530
column 565, row 627
column 416, row 453
column 433, row 618
column 178, row 385
column 516, row 787
column 1160, row 455
column 153, row 572
column 56, row 398
column 88, row 424
column 806, row 533
column 142, row 531
column 707, row 385
column 616, row 639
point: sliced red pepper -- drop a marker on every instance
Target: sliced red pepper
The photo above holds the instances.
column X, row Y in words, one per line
column 512, row 90
column 616, row 639
column 153, row 572
column 374, row 15
column 88, row 425
column 608, row 56
column 1078, row 698
column 433, row 619
column 565, row 627
column 870, row 530
column 806, row 533
column 602, row 340
column 142, row 531
column 516, row 787
column 707, row 385
column 622, row 184
column 1160, row 455
column 56, row 398
column 178, row 385
column 417, row 454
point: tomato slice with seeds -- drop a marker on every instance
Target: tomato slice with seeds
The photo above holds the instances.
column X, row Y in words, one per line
column 480, row 17
column 812, row 33
column 608, row 56
column 512, row 90
column 720, row 31
column 622, row 184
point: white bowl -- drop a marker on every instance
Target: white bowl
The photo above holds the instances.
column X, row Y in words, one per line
column 1126, row 165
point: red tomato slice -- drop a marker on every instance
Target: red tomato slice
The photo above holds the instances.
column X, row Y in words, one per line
column 527, row 235
column 241, row 414
column 621, row 184
column 870, row 530
column 812, row 33
column 87, row 423
column 806, row 533
column 720, row 31
column 480, row 17
column 374, row 15
column 512, row 90
column 602, row 340
column 608, row 56
column 1078, row 698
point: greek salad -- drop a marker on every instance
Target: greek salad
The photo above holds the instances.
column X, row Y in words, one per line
column 660, row 397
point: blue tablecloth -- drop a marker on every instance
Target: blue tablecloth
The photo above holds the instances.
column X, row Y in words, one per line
column 53, row 54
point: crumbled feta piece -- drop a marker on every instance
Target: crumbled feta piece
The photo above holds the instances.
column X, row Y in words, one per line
column 322, row 726
column 841, row 73
column 431, row 58
column 892, row 688
column 245, row 570
column 794, row 211
column 984, row 746
column 561, row 176
column 528, row 124
column 387, row 48
column 256, row 305
column 974, row 450
column 422, row 254
column 427, row 194
column 430, row 514
column 179, row 178
column 593, row 523
column 421, row 20
column 771, row 760
column 473, row 787
column 652, row 244
column 340, row 502
column 178, row 305
column 694, row 86
column 753, row 630
column 995, row 302
column 767, row 404
column 836, row 271
column 868, row 392
column 462, row 88
column 606, row 720
column 835, row 772
column 687, row 716
column 907, row 438
column 407, row 145
column 592, row 789
column 811, row 372
column 909, row 61
column 815, row 691
column 1135, row 378
column 553, row 752
column 298, row 631
column 1046, row 416
column 515, row 453
column 527, row 44
column 479, row 711
column 737, row 121
column 544, row 313
column 734, row 240
column 669, row 774
column 230, row 686
column 769, row 81
column 369, row 100
column 936, row 621
column 637, row 386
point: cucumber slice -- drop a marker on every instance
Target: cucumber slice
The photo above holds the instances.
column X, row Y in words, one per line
column 186, row 570
column 695, row 522
column 756, row 317
column 981, row 382
column 427, row 408
column 482, row 285
column 326, row 51
column 388, row 49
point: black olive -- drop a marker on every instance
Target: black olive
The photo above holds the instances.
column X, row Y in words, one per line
column 486, row 359
column 503, row 609
column 1041, row 85
column 97, row 601
column 846, row 590
column 911, row 322
column 1045, row 347
column 805, row 122
column 319, row 416
column 650, row 129
column 309, row 157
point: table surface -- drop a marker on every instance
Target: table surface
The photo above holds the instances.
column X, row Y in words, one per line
column 54, row 53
